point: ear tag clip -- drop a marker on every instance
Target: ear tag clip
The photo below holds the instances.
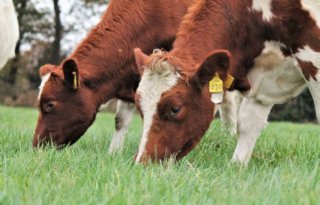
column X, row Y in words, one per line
column 75, row 81
column 228, row 82
column 216, row 88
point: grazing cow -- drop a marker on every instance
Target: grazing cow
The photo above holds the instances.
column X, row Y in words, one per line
column 270, row 52
column 9, row 31
column 103, row 67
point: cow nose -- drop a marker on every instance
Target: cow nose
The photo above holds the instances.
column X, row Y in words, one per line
column 40, row 138
column 144, row 159
column 35, row 143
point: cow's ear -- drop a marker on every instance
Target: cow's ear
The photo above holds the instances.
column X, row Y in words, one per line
column 71, row 74
column 46, row 69
column 141, row 59
column 218, row 62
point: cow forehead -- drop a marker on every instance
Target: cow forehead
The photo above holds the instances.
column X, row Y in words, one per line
column 153, row 84
column 44, row 80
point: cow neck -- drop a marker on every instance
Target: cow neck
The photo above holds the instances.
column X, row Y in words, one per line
column 105, row 58
column 216, row 25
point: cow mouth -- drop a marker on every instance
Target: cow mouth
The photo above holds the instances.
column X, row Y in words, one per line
column 187, row 147
column 56, row 138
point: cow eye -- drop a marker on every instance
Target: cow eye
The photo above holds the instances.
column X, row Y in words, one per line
column 175, row 110
column 49, row 106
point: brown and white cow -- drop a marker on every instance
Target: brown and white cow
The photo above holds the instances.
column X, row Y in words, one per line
column 103, row 67
column 270, row 47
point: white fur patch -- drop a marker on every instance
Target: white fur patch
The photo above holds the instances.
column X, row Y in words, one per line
column 309, row 55
column 263, row 6
column 313, row 7
column 44, row 80
column 124, row 114
column 229, row 110
column 275, row 78
column 252, row 119
column 314, row 87
column 273, row 47
column 9, row 34
column 153, row 83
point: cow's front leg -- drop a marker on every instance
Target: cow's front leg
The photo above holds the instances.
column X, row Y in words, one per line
column 229, row 110
column 314, row 87
column 123, row 118
column 252, row 119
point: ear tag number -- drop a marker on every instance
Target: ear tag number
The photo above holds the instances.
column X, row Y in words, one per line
column 216, row 84
column 216, row 88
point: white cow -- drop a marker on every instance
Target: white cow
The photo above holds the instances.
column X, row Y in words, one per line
column 9, row 34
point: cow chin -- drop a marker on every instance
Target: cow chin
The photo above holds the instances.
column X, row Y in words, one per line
column 164, row 152
column 65, row 137
column 173, row 146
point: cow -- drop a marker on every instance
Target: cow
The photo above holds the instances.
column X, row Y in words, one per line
column 103, row 67
column 269, row 50
column 9, row 31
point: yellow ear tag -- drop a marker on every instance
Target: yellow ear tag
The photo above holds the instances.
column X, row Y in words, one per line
column 216, row 84
column 228, row 82
column 75, row 81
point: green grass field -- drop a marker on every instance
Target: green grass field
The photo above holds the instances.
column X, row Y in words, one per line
column 284, row 170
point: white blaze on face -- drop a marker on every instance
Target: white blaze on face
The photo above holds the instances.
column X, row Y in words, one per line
column 263, row 6
column 313, row 7
column 44, row 80
column 153, row 84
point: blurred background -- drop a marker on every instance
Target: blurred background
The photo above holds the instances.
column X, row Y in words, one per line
column 51, row 29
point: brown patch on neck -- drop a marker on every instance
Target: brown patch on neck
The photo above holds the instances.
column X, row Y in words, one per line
column 308, row 69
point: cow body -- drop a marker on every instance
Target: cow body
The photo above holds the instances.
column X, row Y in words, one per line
column 275, row 53
column 9, row 31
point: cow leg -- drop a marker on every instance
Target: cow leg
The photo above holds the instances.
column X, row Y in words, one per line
column 123, row 118
column 229, row 110
column 252, row 119
column 217, row 108
column 314, row 87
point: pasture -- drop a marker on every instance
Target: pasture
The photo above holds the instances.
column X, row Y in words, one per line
column 285, row 168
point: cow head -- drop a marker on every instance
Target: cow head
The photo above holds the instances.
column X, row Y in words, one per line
column 66, row 105
column 175, row 104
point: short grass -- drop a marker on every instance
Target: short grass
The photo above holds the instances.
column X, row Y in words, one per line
column 284, row 170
